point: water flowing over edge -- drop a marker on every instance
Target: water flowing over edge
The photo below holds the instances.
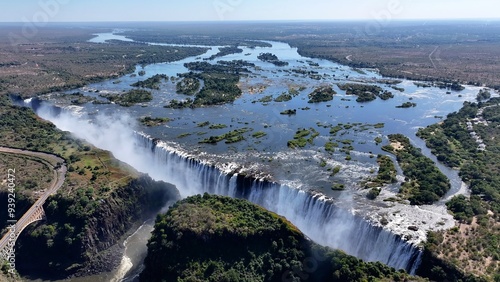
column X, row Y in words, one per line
column 313, row 213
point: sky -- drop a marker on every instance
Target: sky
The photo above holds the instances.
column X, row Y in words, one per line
column 233, row 10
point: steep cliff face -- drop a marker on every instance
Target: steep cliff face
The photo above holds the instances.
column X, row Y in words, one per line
column 217, row 238
column 437, row 269
column 142, row 197
column 80, row 235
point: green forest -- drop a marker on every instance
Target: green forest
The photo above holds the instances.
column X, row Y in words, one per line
column 452, row 143
column 365, row 93
column 474, row 245
column 424, row 182
column 219, row 83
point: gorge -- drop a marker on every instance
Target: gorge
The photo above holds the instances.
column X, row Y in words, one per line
column 324, row 216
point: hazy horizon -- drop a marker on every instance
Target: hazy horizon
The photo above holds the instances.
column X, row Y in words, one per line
column 44, row 11
column 265, row 21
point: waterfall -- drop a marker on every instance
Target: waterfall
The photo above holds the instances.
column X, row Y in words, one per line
column 314, row 214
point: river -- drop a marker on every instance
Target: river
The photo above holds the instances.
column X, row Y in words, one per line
column 269, row 155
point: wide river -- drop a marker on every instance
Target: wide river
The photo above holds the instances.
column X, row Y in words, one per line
column 308, row 168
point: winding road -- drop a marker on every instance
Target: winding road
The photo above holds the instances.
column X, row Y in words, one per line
column 59, row 169
column 430, row 57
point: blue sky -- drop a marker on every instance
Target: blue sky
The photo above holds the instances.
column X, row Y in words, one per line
column 217, row 10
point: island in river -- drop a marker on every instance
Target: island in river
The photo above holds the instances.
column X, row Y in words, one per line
column 267, row 154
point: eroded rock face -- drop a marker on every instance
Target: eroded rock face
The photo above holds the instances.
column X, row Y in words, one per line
column 93, row 246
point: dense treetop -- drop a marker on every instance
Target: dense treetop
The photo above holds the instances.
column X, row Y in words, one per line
column 216, row 238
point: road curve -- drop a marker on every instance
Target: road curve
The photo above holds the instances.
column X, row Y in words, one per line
column 430, row 57
column 57, row 164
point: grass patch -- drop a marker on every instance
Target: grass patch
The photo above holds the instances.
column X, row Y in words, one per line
column 299, row 140
column 230, row 137
column 330, row 146
column 217, row 126
column 338, row 187
column 149, row 121
column 259, row 134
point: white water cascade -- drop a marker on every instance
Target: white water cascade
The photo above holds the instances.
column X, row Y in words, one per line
column 313, row 214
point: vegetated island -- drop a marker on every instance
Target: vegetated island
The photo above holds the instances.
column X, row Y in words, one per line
column 365, row 93
column 299, row 139
column 483, row 95
column 216, row 238
column 462, row 246
column 153, row 82
column 224, row 51
column 407, row 105
column 266, row 99
column 283, row 97
column 219, row 83
column 424, row 182
column 130, row 97
column 149, row 121
column 289, row 112
column 271, row 58
column 188, row 86
column 75, row 98
column 230, row 137
column 321, row 94
column 386, row 174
